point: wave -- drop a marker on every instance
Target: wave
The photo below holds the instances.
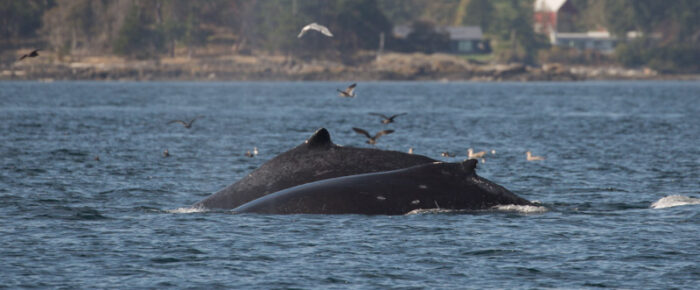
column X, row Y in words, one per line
column 188, row 210
column 527, row 209
column 431, row 210
column 675, row 200
column 521, row 208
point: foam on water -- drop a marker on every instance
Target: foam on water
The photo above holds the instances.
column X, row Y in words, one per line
column 188, row 210
column 430, row 210
column 528, row 209
column 521, row 208
column 675, row 200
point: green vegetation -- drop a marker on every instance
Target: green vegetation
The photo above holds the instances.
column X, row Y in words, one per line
column 136, row 38
column 511, row 28
column 670, row 39
column 20, row 19
column 669, row 32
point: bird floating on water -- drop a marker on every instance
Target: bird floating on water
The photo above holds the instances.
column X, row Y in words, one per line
column 385, row 119
column 531, row 157
column 372, row 139
column 34, row 53
column 252, row 154
column 186, row 124
column 447, row 154
column 348, row 93
column 166, row 153
column 477, row 155
column 410, row 150
column 315, row 26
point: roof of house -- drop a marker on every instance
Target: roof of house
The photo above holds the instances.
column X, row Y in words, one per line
column 455, row 32
column 464, row 32
column 549, row 5
column 597, row 35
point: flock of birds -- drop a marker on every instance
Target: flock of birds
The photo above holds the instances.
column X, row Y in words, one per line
column 371, row 139
column 349, row 92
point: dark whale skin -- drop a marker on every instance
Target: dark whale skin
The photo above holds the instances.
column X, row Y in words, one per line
column 315, row 159
column 440, row 185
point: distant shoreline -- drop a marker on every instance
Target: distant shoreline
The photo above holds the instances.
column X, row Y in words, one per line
column 390, row 67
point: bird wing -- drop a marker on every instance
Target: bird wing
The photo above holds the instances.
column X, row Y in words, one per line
column 178, row 121
column 23, row 57
column 382, row 133
column 363, row 132
column 350, row 89
column 379, row 115
column 394, row 116
column 325, row 31
column 315, row 26
column 320, row 28
column 304, row 30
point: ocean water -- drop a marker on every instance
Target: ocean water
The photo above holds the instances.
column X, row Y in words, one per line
column 620, row 186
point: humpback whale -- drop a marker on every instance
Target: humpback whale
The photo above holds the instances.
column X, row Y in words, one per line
column 428, row 186
column 317, row 158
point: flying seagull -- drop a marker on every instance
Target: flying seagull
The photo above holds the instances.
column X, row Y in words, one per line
column 315, row 26
column 186, row 124
column 34, row 53
column 372, row 139
column 387, row 120
column 348, row 93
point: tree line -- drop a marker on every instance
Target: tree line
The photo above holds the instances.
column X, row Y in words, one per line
column 155, row 28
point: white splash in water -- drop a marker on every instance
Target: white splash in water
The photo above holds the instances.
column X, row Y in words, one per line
column 521, row 208
column 188, row 210
column 526, row 209
column 675, row 200
column 430, row 210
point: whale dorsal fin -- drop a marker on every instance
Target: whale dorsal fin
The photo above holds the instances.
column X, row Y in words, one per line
column 469, row 165
column 319, row 139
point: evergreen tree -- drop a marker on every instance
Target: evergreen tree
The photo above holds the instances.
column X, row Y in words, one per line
column 136, row 39
column 512, row 28
column 479, row 13
column 21, row 19
column 425, row 38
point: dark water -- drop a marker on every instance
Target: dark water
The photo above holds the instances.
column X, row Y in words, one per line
column 612, row 149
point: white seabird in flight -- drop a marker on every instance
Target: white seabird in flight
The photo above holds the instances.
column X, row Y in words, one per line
column 315, row 26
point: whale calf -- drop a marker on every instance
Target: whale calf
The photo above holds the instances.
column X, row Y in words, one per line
column 436, row 185
column 317, row 158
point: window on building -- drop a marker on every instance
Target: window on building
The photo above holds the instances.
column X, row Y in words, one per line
column 465, row 46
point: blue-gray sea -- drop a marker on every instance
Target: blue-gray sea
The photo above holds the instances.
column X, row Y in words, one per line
column 612, row 150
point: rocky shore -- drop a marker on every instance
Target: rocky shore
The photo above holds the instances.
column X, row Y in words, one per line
column 390, row 66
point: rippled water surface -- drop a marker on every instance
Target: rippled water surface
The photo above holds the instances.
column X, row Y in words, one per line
column 612, row 149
